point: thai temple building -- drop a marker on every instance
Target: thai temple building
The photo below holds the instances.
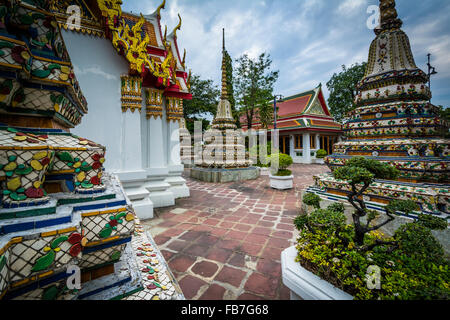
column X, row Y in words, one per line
column 305, row 126
column 132, row 74
column 61, row 214
column 224, row 158
column 395, row 123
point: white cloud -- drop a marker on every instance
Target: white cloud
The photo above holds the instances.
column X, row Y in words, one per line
column 350, row 7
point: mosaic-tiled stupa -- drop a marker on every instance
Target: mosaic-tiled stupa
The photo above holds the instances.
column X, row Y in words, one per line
column 232, row 163
column 58, row 206
column 395, row 123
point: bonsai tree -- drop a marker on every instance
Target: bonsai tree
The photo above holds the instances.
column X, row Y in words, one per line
column 321, row 154
column 411, row 262
column 284, row 162
column 312, row 199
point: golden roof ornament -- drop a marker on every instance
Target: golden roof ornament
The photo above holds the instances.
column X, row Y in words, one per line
column 161, row 6
column 388, row 15
column 224, row 69
column 178, row 27
column 184, row 59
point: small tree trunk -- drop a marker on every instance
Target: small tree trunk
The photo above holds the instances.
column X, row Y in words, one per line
column 359, row 230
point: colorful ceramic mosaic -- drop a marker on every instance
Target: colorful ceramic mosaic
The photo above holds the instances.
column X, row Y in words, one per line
column 395, row 123
column 58, row 206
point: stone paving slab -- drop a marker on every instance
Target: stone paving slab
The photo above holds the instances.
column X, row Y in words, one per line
column 225, row 241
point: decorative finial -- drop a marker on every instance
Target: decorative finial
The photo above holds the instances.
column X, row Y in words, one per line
column 178, row 27
column 165, row 37
column 189, row 79
column 161, row 6
column 184, row 58
column 388, row 15
column 224, row 70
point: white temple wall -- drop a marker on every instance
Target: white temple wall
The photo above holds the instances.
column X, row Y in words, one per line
column 137, row 147
column 98, row 68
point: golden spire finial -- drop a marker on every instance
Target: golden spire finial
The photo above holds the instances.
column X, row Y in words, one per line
column 224, row 69
column 388, row 15
column 178, row 27
column 161, row 6
column 165, row 37
column 184, row 58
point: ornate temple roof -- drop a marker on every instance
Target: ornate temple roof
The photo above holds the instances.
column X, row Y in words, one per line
column 139, row 38
column 306, row 110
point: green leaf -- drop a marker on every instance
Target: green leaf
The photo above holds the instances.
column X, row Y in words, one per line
column 65, row 157
column 121, row 215
column 116, row 255
column 50, row 293
column 55, row 243
column 44, row 262
column 18, row 197
column 6, row 44
column 41, row 73
column 24, row 171
column 105, row 233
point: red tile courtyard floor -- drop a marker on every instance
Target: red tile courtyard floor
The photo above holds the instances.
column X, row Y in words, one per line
column 225, row 241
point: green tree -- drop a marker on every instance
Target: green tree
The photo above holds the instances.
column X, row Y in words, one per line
column 205, row 97
column 254, row 82
column 342, row 87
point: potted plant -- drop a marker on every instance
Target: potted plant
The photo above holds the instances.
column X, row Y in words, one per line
column 263, row 165
column 320, row 155
column 336, row 260
column 283, row 178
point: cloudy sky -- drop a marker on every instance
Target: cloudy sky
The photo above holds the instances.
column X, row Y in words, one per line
column 308, row 40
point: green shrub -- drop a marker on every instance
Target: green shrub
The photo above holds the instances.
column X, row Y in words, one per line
column 432, row 222
column 321, row 154
column 284, row 173
column 412, row 262
column 334, row 257
column 417, row 241
column 312, row 199
column 404, row 206
column 284, row 161
column 337, row 207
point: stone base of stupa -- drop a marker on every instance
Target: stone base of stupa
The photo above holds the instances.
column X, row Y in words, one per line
column 432, row 198
column 216, row 175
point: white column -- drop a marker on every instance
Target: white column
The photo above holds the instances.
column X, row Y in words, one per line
column 306, row 148
column 157, row 169
column 132, row 173
column 318, row 141
column 292, row 146
column 177, row 184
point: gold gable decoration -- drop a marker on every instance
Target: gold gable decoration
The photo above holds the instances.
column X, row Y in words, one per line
column 154, row 103
column 316, row 108
column 131, row 93
column 128, row 41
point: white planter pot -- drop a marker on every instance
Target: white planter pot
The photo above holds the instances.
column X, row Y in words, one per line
column 282, row 183
column 305, row 285
column 265, row 171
